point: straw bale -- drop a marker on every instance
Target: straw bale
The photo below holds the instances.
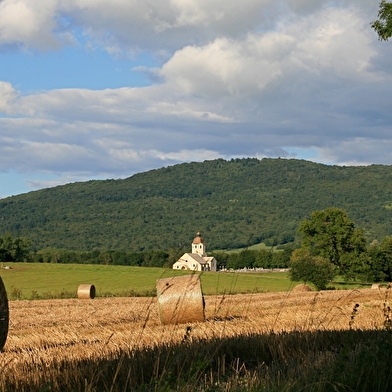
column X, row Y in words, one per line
column 86, row 291
column 4, row 315
column 180, row 299
column 376, row 286
column 302, row 287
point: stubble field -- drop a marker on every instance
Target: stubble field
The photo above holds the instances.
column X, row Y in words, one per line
column 113, row 344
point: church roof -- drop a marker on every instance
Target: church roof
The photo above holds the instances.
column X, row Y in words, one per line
column 198, row 239
column 193, row 256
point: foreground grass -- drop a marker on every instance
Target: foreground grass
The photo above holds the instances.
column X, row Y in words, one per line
column 45, row 281
column 304, row 361
column 331, row 341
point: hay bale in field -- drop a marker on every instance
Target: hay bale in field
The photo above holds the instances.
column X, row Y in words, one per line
column 180, row 299
column 86, row 291
column 376, row 286
column 4, row 315
column 302, row 287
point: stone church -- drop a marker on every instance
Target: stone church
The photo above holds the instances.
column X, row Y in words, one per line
column 198, row 259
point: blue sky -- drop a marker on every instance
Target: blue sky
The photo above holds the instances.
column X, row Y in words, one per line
column 70, row 67
column 96, row 90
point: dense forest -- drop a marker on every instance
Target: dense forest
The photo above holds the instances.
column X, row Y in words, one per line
column 234, row 204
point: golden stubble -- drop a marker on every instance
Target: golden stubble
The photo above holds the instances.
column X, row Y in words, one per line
column 47, row 331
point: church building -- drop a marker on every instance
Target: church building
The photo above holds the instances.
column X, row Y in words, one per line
column 198, row 259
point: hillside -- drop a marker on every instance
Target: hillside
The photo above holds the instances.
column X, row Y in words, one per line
column 233, row 203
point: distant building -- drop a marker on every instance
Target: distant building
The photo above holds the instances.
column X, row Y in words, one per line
column 198, row 259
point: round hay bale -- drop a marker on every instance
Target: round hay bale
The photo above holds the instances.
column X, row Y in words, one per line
column 302, row 287
column 4, row 315
column 376, row 286
column 180, row 299
column 86, row 291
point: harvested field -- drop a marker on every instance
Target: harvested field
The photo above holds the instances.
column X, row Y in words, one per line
column 48, row 334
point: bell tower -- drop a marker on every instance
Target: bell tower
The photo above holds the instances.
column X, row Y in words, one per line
column 198, row 245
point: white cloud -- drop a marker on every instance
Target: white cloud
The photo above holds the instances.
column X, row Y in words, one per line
column 333, row 39
column 30, row 24
column 164, row 24
column 139, row 25
column 324, row 46
column 7, row 96
column 251, row 78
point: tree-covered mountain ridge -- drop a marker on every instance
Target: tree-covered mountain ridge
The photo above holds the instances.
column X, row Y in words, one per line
column 233, row 203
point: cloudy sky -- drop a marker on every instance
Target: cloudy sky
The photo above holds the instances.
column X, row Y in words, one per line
column 93, row 89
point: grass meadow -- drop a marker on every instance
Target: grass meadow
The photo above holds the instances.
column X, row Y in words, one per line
column 279, row 339
column 51, row 281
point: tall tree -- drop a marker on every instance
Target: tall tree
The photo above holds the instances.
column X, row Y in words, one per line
column 331, row 234
column 383, row 25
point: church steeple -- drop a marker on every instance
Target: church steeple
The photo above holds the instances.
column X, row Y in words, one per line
column 198, row 245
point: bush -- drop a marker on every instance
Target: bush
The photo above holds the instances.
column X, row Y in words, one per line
column 311, row 269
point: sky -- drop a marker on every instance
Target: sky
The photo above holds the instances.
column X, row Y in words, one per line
column 93, row 89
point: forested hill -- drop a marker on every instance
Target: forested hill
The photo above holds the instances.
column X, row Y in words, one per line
column 233, row 203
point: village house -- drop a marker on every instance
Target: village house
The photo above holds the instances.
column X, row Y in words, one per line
column 198, row 259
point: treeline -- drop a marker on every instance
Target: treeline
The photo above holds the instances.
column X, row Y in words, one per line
column 154, row 258
column 19, row 250
column 164, row 259
column 378, row 266
column 254, row 258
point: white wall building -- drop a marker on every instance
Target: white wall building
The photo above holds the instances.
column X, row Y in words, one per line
column 198, row 259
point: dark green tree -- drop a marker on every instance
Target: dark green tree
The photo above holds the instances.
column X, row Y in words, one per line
column 233, row 261
column 311, row 269
column 14, row 249
column 331, row 234
column 383, row 25
column 21, row 249
column 6, row 248
column 247, row 258
column 263, row 259
column 381, row 261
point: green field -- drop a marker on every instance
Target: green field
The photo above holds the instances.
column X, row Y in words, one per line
column 44, row 281
column 259, row 246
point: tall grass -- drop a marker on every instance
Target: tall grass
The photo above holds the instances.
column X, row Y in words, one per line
column 256, row 342
column 295, row 361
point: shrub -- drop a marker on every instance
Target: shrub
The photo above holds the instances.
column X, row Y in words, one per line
column 311, row 269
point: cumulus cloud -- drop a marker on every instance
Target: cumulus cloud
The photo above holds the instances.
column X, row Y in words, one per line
column 31, row 24
column 144, row 25
column 164, row 24
column 125, row 25
column 320, row 47
column 252, row 78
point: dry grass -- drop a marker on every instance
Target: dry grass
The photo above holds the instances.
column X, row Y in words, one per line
column 52, row 335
